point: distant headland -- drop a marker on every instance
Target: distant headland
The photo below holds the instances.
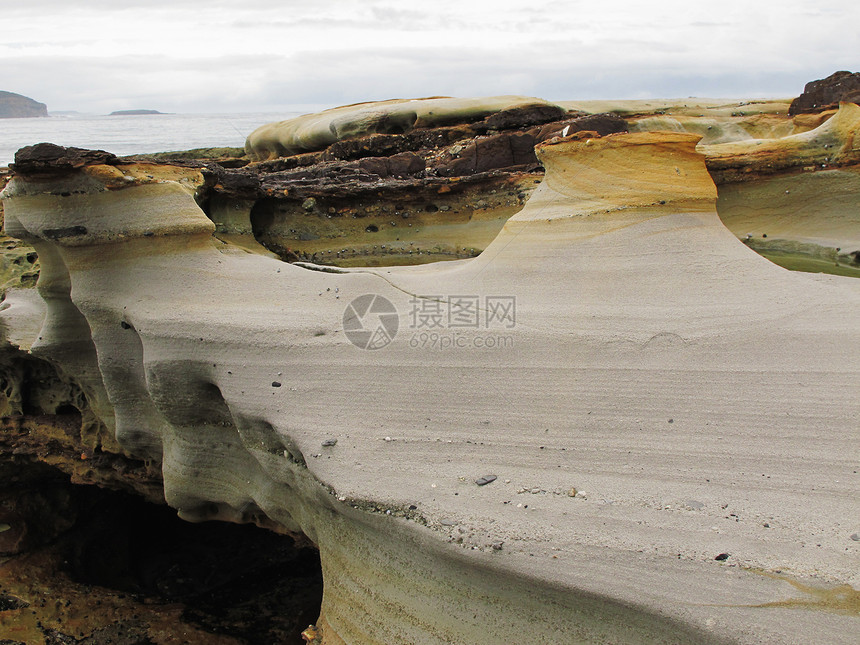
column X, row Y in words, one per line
column 133, row 112
column 13, row 106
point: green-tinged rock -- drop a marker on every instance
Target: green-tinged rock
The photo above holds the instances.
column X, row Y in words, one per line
column 317, row 131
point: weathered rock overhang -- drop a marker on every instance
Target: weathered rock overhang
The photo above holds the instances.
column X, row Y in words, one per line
column 439, row 189
column 232, row 371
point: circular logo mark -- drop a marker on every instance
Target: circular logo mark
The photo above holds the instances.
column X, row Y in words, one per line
column 370, row 321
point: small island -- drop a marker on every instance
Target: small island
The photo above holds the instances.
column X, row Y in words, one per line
column 16, row 106
column 134, row 112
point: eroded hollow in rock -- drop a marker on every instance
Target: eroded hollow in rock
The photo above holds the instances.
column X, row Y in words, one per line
column 417, row 227
column 243, row 583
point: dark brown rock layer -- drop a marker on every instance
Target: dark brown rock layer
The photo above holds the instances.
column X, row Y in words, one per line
column 826, row 93
column 412, row 181
column 51, row 159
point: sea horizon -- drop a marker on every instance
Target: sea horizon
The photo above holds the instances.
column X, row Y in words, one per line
column 131, row 134
column 125, row 135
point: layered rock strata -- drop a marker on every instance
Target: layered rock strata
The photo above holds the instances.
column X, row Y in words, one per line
column 440, row 188
column 317, row 131
column 794, row 198
column 444, row 191
column 614, row 338
column 833, row 144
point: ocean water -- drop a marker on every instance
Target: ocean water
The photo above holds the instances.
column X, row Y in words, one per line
column 128, row 135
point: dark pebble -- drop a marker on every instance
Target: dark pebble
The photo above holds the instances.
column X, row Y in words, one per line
column 330, row 442
column 855, row 537
column 276, row 384
column 486, row 479
column 722, row 556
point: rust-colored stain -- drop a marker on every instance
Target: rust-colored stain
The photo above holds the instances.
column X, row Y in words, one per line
column 843, row 599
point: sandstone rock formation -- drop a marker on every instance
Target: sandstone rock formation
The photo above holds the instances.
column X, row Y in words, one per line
column 317, row 131
column 315, row 207
column 19, row 263
column 827, row 93
column 695, row 107
column 794, row 198
column 698, row 398
column 717, row 121
column 384, row 198
column 725, row 129
column 17, row 106
column 832, row 144
column 430, row 193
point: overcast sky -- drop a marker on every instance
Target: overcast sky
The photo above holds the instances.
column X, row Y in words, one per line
column 264, row 55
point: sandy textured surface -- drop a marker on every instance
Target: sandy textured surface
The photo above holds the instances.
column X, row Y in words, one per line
column 691, row 106
column 831, row 144
column 701, row 401
column 818, row 208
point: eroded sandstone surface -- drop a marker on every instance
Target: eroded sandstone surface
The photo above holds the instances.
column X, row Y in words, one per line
column 442, row 190
column 318, row 131
column 794, row 198
column 663, row 423
column 359, row 185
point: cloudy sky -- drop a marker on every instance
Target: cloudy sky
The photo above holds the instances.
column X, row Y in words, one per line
column 266, row 55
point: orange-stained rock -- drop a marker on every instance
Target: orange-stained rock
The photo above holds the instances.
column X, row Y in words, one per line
column 832, row 144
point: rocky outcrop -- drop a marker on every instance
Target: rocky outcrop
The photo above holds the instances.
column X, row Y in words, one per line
column 439, row 191
column 553, row 473
column 771, row 193
column 517, row 149
column 51, row 159
column 692, row 106
column 19, row 263
column 14, row 106
column 317, row 131
column 725, row 129
column 833, row 144
column 827, row 93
